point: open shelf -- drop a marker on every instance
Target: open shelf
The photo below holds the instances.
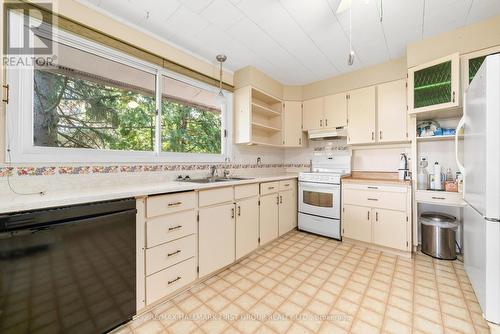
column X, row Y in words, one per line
column 265, row 144
column 263, row 110
column 439, row 138
column 265, row 127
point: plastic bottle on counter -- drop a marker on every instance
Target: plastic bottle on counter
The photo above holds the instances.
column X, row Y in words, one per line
column 460, row 181
column 438, row 185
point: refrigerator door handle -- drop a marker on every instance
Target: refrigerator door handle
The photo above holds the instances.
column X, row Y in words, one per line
column 459, row 163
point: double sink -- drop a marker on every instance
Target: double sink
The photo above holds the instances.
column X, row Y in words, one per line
column 215, row 179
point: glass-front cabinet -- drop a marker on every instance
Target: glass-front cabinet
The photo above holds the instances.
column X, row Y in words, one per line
column 471, row 62
column 434, row 85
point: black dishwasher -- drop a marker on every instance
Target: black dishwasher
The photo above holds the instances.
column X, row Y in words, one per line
column 68, row 269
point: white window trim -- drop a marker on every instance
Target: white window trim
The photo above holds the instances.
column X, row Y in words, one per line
column 19, row 119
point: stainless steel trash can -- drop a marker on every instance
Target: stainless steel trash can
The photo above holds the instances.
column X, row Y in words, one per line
column 438, row 235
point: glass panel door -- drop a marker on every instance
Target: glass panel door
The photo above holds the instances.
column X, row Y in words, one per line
column 319, row 199
column 433, row 85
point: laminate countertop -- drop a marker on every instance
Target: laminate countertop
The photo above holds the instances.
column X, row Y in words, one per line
column 375, row 178
column 16, row 203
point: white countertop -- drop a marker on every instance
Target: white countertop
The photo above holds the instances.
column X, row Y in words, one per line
column 16, row 203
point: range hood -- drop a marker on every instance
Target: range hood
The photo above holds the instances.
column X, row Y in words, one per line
column 327, row 133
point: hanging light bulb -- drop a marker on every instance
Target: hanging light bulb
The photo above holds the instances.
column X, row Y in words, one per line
column 220, row 99
column 350, row 58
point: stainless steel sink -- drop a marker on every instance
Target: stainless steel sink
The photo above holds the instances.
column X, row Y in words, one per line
column 215, row 179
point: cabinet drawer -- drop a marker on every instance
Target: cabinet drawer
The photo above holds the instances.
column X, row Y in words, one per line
column 169, row 280
column 170, row 227
column 165, row 204
column 269, row 187
column 375, row 187
column 246, row 190
column 287, row 184
column 439, row 197
column 375, row 199
column 215, row 196
column 166, row 255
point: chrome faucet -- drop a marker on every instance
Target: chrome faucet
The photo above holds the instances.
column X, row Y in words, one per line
column 213, row 171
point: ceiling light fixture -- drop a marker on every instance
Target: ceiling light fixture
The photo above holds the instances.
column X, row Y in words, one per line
column 220, row 98
column 350, row 58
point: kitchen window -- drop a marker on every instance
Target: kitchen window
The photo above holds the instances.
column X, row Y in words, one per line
column 97, row 104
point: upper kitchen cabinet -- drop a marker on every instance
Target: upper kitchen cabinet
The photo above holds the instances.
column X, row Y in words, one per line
column 257, row 117
column 434, row 88
column 471, row 62
column 325, row 112
column 361, row 106
column 335, row 110
column 313, row 112
column 292, row 124
column 392, row 118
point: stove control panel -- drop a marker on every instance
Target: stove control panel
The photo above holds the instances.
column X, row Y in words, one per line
column 320, row 177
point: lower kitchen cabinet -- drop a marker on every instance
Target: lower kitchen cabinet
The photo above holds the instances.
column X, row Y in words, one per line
column 357, row 223
column 247, row 226
column 216, row 238
column 287, row 214
column 268, row 218
column 388, row 228
column 377, row 214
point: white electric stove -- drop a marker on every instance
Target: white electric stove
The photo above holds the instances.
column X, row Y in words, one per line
column 319, row 192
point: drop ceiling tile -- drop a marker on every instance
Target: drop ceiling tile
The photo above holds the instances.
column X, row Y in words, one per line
column 222, row 13
column 185, row 22
column 196, row 5
column 402, row 23
column 483, row 9
column 160, row 9
column 447, row 17
column 124, row 9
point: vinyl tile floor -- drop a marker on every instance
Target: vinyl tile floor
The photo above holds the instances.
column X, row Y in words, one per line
column 302, row 283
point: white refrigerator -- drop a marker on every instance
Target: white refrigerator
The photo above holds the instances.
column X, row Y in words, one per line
column 481, row 170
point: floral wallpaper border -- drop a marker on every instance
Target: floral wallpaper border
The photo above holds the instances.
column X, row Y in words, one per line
column 113, row 169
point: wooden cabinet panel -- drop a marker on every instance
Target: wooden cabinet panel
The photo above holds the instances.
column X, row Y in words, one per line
column 392, row 114
column 247, row 226
column 269, row 188
column 166, row 255
column 165, row 204
column 170, row 280
column 362, row 116
column 286, row 212
column 216, row 196
column 312, row 115
column 216, row 238
column 357, row 223
column 292, row 121
column 246, row 190
column 268, row 218
column 376, row 199
column 389, row 228
column 335, row 110
column 166, row 228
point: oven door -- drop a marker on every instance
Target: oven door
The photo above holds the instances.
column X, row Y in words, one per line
column 319, row 199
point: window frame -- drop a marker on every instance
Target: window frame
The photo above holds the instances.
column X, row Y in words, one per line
column 20, row 146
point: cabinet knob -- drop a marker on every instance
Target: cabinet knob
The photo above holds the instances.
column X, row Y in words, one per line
column 373, row 135
column 368, row 215
column 232, row 212
column 320, row 122
column 239, row 210
column 326, row 122
column 380, row 135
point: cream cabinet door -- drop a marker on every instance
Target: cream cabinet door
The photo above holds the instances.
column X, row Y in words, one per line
column 216, row 237
column 389, row 228
column 268, row 221
column 357, row 223
column 392, row 115
column 312, row 114
column 336, row 110
column 247, row 226
column 292, row 120
column 361, row 107
column 287, row 212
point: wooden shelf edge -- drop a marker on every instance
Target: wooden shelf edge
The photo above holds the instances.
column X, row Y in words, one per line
column 265, row 127
column 258, row 108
